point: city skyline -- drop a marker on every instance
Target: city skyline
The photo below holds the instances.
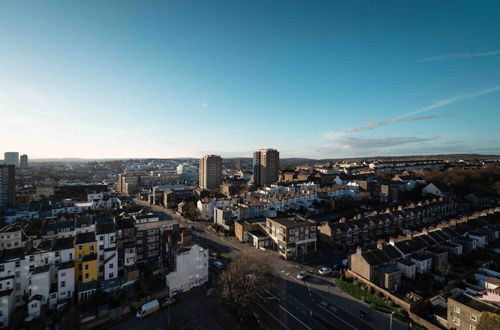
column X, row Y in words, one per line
column 177, row 79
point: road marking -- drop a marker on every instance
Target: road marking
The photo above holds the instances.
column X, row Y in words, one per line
column 305, row 325
column 350, row 326
column 272, row 295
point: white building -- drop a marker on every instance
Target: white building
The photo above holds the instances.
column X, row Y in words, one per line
column 106, row 249
column 65, row 281
column 40, row 283
column 407, row 267
column 423, row 263
column 191, row 269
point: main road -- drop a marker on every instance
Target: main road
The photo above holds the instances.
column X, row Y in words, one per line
column 311, row 304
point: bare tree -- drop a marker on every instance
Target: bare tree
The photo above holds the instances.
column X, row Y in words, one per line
column 244, row 278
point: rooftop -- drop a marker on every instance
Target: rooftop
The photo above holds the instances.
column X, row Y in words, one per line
column 82, row 238
column 474, row 303
column 292, row 221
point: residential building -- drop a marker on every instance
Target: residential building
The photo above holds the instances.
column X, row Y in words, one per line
column 106, row 248
column 125, row 242
column 210, row 172
column 423, row 263
column 11, row 158
column 86, row 266
column 294, row 236
column 7, row 185
column 65, row 281
column 464, row 311
column 366, row 263
column 40, row 283
column 190, row 263
column 23, row 161
column 148, row 238
column 266, row 164
column 407, row 267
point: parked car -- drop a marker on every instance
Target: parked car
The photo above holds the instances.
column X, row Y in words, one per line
column 364, row 315
column 325, row 271
column 168, row 302
column 302, row 275
column 148, row 308
column 218, row 265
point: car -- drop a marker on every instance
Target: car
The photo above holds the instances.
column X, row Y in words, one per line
column 325, row 271
column 218, row 265
column 302, row 275
column 168, row 302
column 364, row 315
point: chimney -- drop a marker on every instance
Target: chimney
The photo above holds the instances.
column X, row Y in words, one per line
column 359, row 250
column 186, row 237
column 380, row 244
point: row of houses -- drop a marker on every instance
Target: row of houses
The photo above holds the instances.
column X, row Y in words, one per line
column 95, row 201
column 428, row 251
column 270, row 202
column 364, row 230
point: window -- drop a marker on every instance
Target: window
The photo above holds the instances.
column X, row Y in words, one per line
column 80, row 247
column 472, row 327
column 456, row 310
column 63, row 284
column 111, row 267
column 456, row 321
column 91, row 248
column 86, row 267
column 79, row 266
column 111, row 275
column 473, row 317
column 32, row 258
column 18, row 263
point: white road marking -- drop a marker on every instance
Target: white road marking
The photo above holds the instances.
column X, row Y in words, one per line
column 305, row 325
column 350, row 326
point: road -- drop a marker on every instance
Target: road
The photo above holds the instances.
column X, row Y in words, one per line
column 292, row 304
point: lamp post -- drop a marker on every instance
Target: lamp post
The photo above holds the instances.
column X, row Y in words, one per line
column 390, row 325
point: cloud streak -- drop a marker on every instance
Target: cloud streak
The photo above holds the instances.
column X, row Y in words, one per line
column 452, row 56
column 380, row 123
column 408, row 116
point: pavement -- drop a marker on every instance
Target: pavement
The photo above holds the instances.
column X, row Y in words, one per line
column 315, row 303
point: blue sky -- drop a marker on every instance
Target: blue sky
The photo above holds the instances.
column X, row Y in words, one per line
column 321, row 79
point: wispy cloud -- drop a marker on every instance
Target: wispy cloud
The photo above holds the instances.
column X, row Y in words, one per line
column 376, row 124
column 408, row 116
column 457, row 55
column 375, row 143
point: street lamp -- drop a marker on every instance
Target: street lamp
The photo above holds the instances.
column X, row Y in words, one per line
column 390, row 326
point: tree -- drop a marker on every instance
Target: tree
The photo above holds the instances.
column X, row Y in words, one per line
column 190, row 211
column 489, row 321
column 241, row 282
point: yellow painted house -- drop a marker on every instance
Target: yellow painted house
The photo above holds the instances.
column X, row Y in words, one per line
column 86, row 264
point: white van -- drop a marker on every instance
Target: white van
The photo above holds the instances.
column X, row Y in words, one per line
column 148, row 308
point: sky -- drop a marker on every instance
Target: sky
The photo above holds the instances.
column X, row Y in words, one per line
column 182, row 78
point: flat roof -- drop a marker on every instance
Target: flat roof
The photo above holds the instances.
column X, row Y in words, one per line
column 476, row 304
column 292, row 221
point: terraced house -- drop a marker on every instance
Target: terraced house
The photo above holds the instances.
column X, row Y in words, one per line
column 347, row 234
